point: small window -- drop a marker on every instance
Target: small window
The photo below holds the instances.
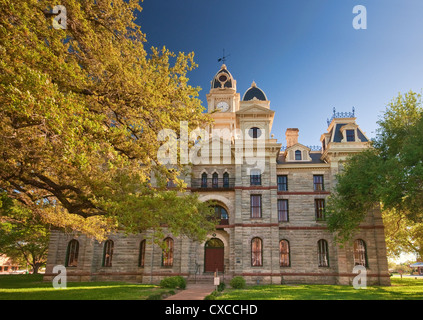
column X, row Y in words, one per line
column 167, row 253
column 256, row 252
column 298, row 155
column 283, row 210
column 204, row 180
column 254, row 133
column 319, row 206
column 350, row 135
column 226, row 180
column 284, row 258
column 108, row 253
column 255, row 178
column 72, row 253
column 360, row 253
column 255, row 206
column 141, row 259
column 318, row 183
column 282, row 183
column 215, row 180
column 323, row 254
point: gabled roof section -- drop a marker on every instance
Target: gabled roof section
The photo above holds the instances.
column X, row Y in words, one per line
column 255, row 108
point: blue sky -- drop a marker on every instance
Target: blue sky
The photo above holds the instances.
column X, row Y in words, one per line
column 304, row 54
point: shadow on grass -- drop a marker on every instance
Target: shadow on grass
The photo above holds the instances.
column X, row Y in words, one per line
column 31, row 287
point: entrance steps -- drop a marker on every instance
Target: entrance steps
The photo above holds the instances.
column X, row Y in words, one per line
column 205, row 278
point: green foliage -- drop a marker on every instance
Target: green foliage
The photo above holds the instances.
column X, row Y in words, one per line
column 23, row 236
column 237, row 282
column 80, row 112
column 221, row 286
column 212, row 296
column 391, row 173
column 154, row 296
column 173, row 282
column 402, row 235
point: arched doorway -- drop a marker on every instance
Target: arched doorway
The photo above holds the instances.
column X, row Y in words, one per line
column 214, row 250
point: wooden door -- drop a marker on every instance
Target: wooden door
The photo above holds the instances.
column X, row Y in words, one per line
column 214, row 256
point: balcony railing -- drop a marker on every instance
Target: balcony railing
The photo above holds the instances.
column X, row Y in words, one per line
column 213, row 183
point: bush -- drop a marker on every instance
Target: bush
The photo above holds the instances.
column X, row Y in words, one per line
column 221, row 287
column 212, row 296
column 154, row 296
column 237, row 282
column 174, row 282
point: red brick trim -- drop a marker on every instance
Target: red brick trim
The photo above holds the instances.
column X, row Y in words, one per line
column 309, row 274
column 256, row 188
column 325, row 228
column 302, row 193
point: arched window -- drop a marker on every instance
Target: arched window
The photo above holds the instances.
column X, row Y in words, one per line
column 204, row 180
column 284, row 253
column 215, row 180
column 141, row 259
column 167, row 253
column 226, row 180
column 298, row 155
column 221, row 215
column 108, row 253
column 72, row 253
column 254, row 133
column 323, row 253
column 256, row 252
column 360, row 253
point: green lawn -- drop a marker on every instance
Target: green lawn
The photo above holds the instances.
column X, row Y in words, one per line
column 32, row 287
column 405, row 289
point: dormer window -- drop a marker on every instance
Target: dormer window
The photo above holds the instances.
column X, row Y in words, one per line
column 298, row 155
column 350, row 135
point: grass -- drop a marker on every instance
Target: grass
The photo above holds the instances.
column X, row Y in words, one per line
column 405, row 289
column 32, row 287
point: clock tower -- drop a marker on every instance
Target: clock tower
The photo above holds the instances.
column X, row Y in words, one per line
column 223, row 100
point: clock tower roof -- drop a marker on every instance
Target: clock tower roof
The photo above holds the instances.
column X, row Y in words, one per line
column 223, row 79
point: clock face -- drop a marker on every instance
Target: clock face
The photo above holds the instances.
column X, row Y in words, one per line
column 222, row 106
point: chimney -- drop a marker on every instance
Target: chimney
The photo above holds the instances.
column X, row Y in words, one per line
column 291, row 136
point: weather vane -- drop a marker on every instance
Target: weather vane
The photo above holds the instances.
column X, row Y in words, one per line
column 223, row 59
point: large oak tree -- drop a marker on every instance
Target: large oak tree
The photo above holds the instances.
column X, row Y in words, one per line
column 80, row 110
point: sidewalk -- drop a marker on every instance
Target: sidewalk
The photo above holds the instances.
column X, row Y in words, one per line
column 193, row 292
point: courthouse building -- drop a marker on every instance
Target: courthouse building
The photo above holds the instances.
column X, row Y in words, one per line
column 271, row 227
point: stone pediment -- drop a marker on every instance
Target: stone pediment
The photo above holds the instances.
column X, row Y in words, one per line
column 255, row 109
